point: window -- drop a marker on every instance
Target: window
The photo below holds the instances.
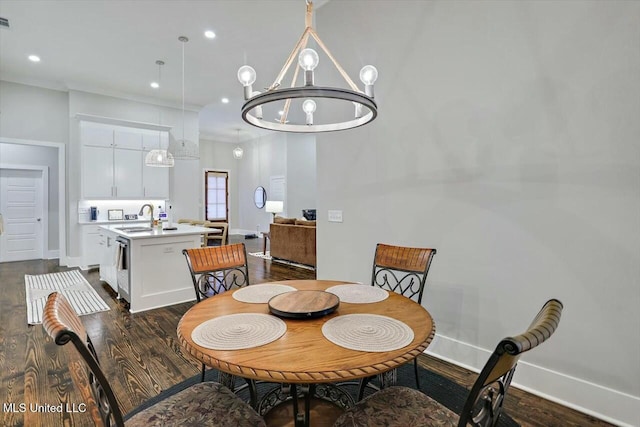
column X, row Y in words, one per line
column 216, row 193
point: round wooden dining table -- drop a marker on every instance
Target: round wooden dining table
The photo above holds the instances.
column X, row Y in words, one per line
column 303, row 355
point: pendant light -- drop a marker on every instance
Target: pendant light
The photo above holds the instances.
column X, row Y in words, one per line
column 159, row 158
column 238, row 152
column 183, row 148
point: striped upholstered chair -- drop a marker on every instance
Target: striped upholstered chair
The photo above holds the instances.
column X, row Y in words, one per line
column 402, row 406
column 203, row 404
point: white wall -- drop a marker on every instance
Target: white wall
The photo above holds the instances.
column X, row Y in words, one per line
column 35, row 114
column 263, row 157
column 301, row 173
column 508, row 140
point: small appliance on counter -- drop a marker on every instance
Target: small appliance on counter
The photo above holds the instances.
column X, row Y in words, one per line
column 93, row 212
column 130, row 216
column 115, row 214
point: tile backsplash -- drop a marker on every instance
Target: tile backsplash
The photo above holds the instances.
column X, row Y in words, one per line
column 127, row 206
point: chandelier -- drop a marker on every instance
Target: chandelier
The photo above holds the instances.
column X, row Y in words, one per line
column 183, row 148
column 158, row 157
column 307, row 98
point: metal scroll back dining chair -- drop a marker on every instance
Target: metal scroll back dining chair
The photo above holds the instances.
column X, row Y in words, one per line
column 202, row 404
column 402, row 406
column 216, row 269
column 402, row 270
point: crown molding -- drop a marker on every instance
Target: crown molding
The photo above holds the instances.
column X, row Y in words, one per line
column 61, row 87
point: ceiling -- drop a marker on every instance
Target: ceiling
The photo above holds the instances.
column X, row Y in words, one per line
column 110, row 47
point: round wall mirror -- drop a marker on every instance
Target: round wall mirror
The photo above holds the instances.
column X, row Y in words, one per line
column 260, row 197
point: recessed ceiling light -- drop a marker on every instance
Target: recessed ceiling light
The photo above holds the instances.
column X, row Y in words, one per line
column 210, row 34
column 34, row 58
column 281, row 112
column 155, row 85
column 225, row 100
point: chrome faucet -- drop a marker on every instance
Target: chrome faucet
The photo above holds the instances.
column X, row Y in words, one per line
column 150, row 209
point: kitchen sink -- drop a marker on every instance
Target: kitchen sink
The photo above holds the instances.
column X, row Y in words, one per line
column 136, row 229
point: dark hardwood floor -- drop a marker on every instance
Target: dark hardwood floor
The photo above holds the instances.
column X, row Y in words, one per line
column 141, row 356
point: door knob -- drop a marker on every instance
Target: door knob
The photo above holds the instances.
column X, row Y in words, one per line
column 38, row 219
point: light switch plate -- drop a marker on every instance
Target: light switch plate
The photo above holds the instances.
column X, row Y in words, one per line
column 335, row 216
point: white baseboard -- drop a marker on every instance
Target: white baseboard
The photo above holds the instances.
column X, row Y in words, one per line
column 53, row 254
column 74, row 261
column 244, row 232
column 601, row 402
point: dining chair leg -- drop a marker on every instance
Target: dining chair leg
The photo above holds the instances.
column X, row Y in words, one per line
column 202, row 376
column 415, row 372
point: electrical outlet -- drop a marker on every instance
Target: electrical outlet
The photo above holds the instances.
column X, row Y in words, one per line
column 335, row 216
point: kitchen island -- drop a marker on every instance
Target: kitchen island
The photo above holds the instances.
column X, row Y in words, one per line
column 145, row 266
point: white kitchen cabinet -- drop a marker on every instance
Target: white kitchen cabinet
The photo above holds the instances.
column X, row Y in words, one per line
column 130, row 139
column 155, row 182
column 109, row 172
column 108, row 258
column 127, row 173
column 113, row 162
column 156, row 273
column 91, row 247
column 97, row 172
column 96, row 135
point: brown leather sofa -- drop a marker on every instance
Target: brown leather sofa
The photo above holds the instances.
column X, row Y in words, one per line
column 293, row 240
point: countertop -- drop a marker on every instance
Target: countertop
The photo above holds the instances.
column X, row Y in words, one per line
column 115, row 222
column 182, row 230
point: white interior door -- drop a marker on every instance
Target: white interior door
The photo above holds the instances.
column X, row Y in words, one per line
column 21, row 206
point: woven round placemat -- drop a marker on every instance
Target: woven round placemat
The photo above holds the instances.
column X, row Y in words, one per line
column 356, row 293
column 238, row 331
column 367, row 332
column 261, row 294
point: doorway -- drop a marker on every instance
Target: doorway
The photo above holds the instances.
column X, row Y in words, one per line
column 23, row 207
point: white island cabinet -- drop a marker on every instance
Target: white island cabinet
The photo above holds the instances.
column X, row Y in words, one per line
column 153, row 272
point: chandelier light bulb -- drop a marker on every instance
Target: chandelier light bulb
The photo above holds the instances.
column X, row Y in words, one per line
column 246, row 75
column 308, row 59
column 368, row 74
column 159, row 156
column 309, row 106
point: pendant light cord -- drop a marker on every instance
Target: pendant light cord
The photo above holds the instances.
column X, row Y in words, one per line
column 183, row 39
column 160, row 64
